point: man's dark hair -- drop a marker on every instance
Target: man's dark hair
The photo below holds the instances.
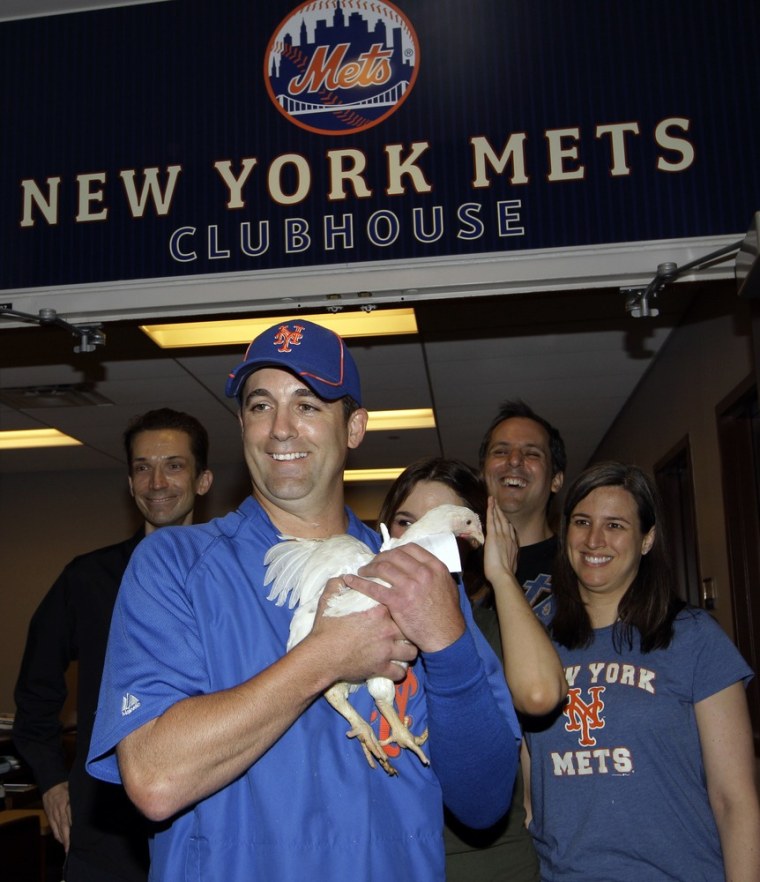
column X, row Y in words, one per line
column 166, row 418
column 518, row 408
column 349, row 406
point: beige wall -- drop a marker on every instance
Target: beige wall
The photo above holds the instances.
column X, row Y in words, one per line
column 705, row 359
column 46, row 519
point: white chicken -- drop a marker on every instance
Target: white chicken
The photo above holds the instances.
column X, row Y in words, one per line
column 301, row 568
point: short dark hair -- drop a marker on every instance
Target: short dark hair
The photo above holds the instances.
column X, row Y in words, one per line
column 166, row 418
column 651, row 601
column 349, row 406
column 517, row 408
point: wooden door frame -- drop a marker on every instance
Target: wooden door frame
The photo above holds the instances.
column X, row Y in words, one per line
column 686, row 545
column 741, row 502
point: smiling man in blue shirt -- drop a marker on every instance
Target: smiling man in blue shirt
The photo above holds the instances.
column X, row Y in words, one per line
column 219, row 734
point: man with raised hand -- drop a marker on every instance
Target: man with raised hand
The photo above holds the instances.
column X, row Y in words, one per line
column 523, row 461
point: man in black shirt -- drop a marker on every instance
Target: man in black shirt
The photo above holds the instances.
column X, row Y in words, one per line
column 523, row 461
column 105, row 837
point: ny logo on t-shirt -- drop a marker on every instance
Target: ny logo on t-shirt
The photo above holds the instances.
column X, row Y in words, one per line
column 583, row 717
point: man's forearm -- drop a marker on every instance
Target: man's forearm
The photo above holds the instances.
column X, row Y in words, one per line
column 201, row 744
column 473, row 748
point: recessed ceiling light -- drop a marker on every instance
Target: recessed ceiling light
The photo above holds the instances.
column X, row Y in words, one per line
column 377, row 323
column 413, row 418
column 371, row 474
column 25, row 438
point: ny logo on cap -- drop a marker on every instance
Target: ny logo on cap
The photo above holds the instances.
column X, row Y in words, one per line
column 285, row 338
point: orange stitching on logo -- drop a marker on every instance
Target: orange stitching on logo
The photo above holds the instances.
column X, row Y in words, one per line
column 285, row 338
column 582, row 717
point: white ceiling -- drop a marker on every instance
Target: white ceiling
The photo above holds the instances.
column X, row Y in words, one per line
column 574, row 356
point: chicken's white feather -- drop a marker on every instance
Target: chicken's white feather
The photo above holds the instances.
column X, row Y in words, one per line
column 285, row 562
column 300, row 569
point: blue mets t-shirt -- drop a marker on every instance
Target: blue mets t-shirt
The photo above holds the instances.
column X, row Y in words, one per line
column 617, row 781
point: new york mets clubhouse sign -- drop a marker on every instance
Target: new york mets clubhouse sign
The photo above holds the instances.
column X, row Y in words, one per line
column 196, row 137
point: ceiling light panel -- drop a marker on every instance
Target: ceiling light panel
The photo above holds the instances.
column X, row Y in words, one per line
column 389, row 420
column 228, row 332
column 371, row 474
column 26, row 438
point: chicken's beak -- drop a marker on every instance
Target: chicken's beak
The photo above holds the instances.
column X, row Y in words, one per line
column 474, row 538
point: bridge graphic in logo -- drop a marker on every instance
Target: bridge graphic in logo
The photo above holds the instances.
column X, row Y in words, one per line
column 337, row 67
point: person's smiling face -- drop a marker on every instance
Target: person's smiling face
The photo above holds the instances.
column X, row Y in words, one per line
column 518, row 469
column 604, row 543
column 295, row 443
column 164, row 479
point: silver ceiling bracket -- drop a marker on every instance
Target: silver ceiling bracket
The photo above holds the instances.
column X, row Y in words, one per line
column 88, row 336
column 638, row 301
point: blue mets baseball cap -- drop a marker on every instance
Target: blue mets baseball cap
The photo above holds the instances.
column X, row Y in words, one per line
column 313, row 353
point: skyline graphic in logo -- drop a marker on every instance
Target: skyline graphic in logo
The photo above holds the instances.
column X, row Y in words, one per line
column 337, row 67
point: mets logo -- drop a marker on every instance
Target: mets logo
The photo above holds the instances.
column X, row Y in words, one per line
column 582, row 717
column 336, row 67
column 285, row 338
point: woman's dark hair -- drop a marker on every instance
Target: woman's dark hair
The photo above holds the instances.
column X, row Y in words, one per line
column 466, row 483
column 650, row 603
